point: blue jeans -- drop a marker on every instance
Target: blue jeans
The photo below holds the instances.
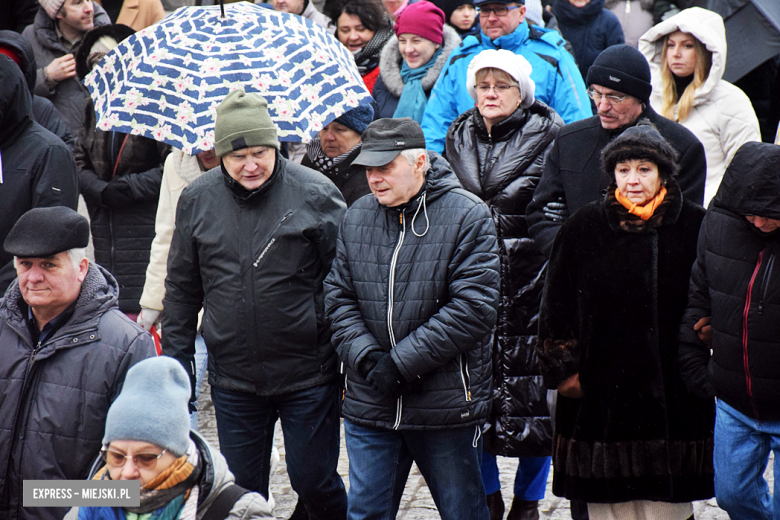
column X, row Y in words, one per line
column 530, row 479
column 201, row 361
column 310, row 425
column 380, row 460
column 742, row 447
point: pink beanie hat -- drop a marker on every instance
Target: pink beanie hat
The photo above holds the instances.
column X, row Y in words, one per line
column 423, row 19
column 51, row 7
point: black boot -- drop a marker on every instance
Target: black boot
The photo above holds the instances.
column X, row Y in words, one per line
column 523, row 510
column 495, row 503
column 300, row 512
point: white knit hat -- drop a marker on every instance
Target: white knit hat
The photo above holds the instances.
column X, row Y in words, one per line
column 51, row 7
column 511, row 63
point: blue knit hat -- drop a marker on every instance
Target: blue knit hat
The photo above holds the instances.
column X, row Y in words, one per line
column 357, row 119
column 152, row 406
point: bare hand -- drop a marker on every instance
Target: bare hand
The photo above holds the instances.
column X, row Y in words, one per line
column 704, row 330
column 570, row 387
column 62, row 68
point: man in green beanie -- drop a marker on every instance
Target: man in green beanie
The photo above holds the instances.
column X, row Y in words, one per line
column 254, row 239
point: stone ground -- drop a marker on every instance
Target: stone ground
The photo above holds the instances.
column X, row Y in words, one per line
column 417, row 503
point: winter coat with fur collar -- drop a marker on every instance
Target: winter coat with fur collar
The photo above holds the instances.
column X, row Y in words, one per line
column 615, row 294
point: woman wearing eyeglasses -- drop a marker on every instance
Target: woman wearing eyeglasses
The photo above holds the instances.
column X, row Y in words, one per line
column 687, row 55
column 498, row 150
column 147, row 438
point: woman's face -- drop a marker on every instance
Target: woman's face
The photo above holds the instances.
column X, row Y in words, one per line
column 463, row 17
column 680, row 54
column 337, row 139
column 496, row 100
column 136, row 460
column 638, row 180
column 416, row 50
column 352, row 33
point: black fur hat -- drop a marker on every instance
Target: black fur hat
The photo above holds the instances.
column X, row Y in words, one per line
column 116, row 31
column 641, row 142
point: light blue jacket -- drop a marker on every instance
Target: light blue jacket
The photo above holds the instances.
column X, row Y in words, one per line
column 558, row 80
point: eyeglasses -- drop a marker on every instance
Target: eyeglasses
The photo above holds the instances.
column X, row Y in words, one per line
column 142, row 460
column 611, row 98
column 484, row 88
column 498, row 11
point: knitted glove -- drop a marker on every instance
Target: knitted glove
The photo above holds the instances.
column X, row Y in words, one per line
column 385, row 377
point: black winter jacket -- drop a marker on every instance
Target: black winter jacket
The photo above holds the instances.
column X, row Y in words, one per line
column 420, row 281
column 37, row 168
column 255, row 261
column 55, row 395
column 614, row 297
column 735, row 281
column 503, row 169
column 573, row 172
column 349, row 178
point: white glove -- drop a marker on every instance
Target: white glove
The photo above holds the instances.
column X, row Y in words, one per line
column 147, row 318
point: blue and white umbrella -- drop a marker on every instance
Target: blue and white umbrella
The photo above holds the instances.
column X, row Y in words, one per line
column 166, row 81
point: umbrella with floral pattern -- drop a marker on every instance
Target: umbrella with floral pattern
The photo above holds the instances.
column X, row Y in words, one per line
column 166, row 81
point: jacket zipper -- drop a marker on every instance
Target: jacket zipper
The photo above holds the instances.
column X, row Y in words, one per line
column 765, row 282
column 464, row 377
column 268, row 243
column 391, row 283
column 745, row 313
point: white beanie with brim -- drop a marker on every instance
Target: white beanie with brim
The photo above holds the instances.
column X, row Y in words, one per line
column 511, row 63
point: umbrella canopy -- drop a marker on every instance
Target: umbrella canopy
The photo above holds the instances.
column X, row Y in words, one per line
column 166, row 81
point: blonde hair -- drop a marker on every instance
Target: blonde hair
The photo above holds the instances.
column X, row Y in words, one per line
column 498, row 75
column 672, row 98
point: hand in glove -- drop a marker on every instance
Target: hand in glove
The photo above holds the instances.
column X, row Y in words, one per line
column 117, row 194
column 556, row 211
column 385, row 376
column 147, row 318
column 368, row 362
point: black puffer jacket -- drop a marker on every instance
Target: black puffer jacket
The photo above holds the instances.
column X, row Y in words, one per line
column 503, row 169
column 255, row 261
column 37, row 168
column 439, row 252
column 55, row 396
column 735, row 280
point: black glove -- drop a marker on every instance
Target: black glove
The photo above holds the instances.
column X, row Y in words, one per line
column 385, row 377
column 368, row 362
column 193, row 406
column 556, row 211
column 117, row 195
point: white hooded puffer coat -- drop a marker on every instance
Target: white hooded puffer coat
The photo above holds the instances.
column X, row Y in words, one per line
column 722, row 118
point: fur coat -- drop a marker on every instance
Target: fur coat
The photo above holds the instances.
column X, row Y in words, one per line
column 615, row 294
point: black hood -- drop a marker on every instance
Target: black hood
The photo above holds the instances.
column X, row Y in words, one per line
column 751, row 184
column 17, row 42
column 119, row 32
column 15, row 102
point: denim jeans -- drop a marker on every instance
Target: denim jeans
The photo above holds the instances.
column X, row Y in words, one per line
column 742, row 447
column 201, row 361
column 310, row 425
column 530, row 479
column 380, row 460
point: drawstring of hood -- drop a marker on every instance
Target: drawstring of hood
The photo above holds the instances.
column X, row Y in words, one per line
column 425, row 212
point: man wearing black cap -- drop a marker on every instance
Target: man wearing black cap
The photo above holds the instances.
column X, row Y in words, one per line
column 64, row 350
column 620, row 87
column 412, row 298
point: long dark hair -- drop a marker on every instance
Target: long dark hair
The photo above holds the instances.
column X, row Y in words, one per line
column 371, row 12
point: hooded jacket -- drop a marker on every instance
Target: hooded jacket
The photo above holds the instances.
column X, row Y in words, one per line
column 56, row 394
column 722, row 118
column 503, row 168
column 635, row 17
column 37, row 167
column 255, row 261
column 389, row 86
column 558, row 81
column 420, row 281
column 68, row 96
column 735, row 281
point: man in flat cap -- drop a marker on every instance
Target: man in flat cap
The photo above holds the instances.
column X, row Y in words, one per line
column 253, row 240
column 64, row 350
column 412, row 298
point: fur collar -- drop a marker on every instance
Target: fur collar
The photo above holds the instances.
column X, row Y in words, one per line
column 665, row 214
column 390, row 63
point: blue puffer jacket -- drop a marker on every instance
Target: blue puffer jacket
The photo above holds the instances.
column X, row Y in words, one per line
column 419, row 281
column 590, row 29
column 558, row 82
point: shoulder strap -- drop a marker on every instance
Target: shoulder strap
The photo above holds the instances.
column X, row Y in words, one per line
column 224, row 502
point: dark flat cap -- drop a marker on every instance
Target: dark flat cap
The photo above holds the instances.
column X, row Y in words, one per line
column 384, row 139
column 43, row 232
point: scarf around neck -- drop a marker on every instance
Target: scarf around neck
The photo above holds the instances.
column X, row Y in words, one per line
column 367, row 58
column 413, row 100
column 322, row 162
column 643, row 212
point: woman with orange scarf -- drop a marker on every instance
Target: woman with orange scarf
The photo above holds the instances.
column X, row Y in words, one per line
column 629, row 439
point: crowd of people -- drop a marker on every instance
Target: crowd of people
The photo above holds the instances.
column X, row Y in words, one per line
column 550, row 236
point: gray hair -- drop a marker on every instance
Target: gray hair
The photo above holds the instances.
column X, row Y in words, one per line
column 76, row 255
column 413, row 153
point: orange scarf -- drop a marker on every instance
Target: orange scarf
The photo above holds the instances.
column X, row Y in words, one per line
column 643, row 212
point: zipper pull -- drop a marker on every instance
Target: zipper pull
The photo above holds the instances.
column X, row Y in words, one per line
column 401, row 218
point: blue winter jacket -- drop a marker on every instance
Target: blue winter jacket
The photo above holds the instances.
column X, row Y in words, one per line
column 558, row 82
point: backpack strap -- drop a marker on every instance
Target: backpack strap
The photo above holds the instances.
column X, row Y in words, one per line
column 224, row 502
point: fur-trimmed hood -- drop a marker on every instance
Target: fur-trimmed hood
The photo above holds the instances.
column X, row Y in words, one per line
column 390, row 62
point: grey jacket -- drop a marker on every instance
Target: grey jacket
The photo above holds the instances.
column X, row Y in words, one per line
column 55, row 395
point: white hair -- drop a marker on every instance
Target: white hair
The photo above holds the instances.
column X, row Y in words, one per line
column 76, row 255
column 413, row 153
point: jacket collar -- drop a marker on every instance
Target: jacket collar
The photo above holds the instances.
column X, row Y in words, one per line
column 511, row 41
column 503, row 130
column 666, row 214
column 245, row 195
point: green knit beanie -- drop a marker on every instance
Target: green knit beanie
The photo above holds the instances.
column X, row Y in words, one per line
column 243, row 121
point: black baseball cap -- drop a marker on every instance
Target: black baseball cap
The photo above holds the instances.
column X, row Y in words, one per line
column 384, row 139
column 43, row 232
